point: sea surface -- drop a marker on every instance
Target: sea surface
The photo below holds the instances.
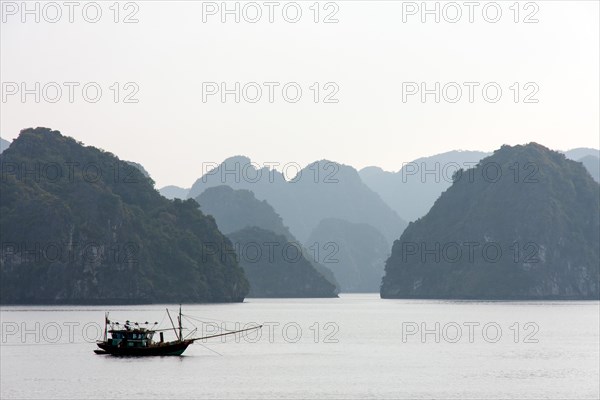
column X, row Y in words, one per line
column 357, row 346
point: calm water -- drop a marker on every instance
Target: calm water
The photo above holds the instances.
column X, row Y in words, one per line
column 356, row 346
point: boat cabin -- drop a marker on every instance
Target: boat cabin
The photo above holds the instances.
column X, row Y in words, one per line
column 139, row 337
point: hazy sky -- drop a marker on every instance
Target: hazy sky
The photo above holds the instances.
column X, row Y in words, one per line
column 369, row 56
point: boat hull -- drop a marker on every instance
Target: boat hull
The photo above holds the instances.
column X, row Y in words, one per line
column 165, row 349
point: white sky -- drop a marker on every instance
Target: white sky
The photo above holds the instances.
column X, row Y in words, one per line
column 368, row 54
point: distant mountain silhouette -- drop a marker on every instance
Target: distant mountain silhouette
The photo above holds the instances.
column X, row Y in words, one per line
column 412, row 191
column 102, row 234
column 321, row 190
column 174, row 192
column 580, row 152
column 592, row 164
column 590, row 158
column 235, row 210
column 276, row 267
column 523, row 224
column 4, row 145
column 355, row 252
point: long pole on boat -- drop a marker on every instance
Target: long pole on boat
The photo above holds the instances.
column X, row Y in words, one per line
column 175, row 330
column 228, row 333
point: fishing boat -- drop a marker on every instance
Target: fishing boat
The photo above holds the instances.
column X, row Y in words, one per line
column 131, row 339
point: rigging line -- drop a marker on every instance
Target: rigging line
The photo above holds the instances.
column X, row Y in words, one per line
column 191, row 333
column 162, row 320
column 196, row 327
column 201, row 320
column 219, row 327
column 212, row 319
column 191, row 323
column 208, row 348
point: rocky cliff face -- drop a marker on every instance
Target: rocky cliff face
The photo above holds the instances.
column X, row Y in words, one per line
column 356, row 253
column 237, row 209
column 79, row 225
column 523, row 224
column 277, row 267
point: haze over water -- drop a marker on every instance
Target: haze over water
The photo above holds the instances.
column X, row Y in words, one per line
column 351, row 347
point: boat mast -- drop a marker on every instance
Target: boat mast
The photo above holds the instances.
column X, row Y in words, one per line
column 105, row 326
column 180, row 328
